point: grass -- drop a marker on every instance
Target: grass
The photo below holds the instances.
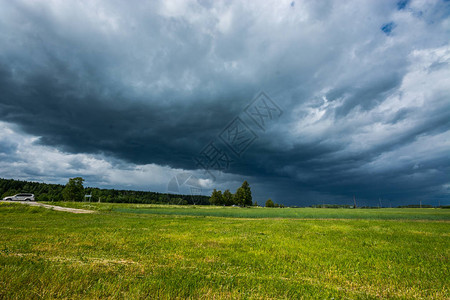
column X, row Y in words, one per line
column 147, row 251
column 259, row 212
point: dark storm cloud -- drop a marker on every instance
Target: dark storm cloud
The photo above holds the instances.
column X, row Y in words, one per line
column 48, row 105
column 363, row 93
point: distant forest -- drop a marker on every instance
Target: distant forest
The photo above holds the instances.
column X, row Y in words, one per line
column 53, row 192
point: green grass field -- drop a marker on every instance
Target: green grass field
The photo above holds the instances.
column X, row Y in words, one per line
column 149, row 251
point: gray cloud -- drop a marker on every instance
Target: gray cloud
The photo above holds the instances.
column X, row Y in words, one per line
column 153, row 85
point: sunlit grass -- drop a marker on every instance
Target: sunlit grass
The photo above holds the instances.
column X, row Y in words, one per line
column 49, row 254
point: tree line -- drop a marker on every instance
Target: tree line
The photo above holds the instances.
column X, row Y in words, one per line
column 73, row 191
column 242, row 197
column 270, row 203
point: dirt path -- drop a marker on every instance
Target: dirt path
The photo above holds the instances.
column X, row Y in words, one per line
column 54, row 207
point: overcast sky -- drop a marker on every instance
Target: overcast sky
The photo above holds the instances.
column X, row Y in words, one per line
column 309, row 101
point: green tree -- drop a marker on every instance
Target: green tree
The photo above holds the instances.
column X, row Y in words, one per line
column 216, row 198
column 247, row 193
column 74, row 190
column 228, row 198
column 243, row 195
column 269, row 203
column 239, row 197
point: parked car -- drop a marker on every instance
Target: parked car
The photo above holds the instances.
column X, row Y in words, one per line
column 20, row 197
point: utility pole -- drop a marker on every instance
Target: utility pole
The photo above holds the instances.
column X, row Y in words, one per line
column 420, row 203
column 379, row 201
column 354, row 201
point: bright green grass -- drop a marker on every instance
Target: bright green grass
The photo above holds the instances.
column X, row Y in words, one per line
column 122, row 254
column 298, row 213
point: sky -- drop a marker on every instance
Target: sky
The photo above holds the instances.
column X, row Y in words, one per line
column 311, row 102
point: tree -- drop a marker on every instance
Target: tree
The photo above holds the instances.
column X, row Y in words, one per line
column 248, row 194
column 269, row 203
column 216, row 198
column 243, row 195
column 239, row 197
column 74, row 190
column 228, row 198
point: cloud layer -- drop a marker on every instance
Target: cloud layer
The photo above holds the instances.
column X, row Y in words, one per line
column 139, row 90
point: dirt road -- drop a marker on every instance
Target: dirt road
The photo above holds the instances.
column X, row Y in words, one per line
column 54, row 207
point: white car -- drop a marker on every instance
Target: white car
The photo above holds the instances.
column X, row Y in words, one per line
column 20, row 197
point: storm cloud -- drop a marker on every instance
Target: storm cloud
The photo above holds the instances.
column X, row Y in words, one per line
column 127, row 94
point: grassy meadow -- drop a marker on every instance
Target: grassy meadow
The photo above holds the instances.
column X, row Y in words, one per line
column 150, row 251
